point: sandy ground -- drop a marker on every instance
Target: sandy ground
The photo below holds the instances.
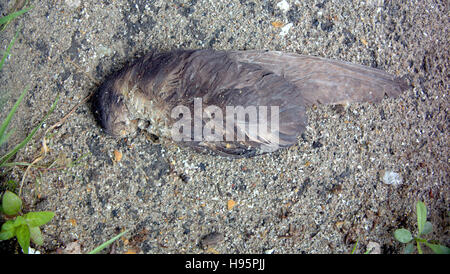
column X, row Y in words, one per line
column 319, row 196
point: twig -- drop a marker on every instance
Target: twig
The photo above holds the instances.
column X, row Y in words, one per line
column 26, row 171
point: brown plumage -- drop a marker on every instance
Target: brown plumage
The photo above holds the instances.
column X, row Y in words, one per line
column 143, row 95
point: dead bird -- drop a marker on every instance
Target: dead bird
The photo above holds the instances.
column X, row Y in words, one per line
column 143, row 96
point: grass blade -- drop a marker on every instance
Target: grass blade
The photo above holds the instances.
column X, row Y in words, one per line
column 5, row 137
column 28, row 138
column 10, row 115
column 6, row 19
column 419, row 248
column 8, row 49
column 354, row 247
column 105, row 244
column 421, row 211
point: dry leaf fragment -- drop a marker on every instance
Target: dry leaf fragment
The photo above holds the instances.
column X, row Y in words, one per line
column 277, row 24
column 213, row 251
column 231, row 204
column 71, row 248
column 130, row 251
column 117, row 156
column 364, row 42
column 73, row 222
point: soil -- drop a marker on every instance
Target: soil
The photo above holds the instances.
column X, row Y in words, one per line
column 319, row 196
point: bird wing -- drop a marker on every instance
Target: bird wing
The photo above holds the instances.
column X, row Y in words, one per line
column 326, row 81
column 223, row 82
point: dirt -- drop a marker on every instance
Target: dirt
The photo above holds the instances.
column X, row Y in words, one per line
column 319, row 196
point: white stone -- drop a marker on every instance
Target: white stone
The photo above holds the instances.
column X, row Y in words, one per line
column 269, row 251
column 374, row 248
column 392, row 178
column 283, row 6
column 73, row 3
column 285, row 29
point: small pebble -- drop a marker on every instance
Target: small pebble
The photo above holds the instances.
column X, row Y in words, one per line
column 73, row 3
column 269, row 251
column 283, row 6
column 374, row 248
column 392, row 178
column 212, row 239
column 285, row 29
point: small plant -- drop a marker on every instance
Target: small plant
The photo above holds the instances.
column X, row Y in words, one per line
column 423, row 227
column 5, row 135
column 23, row 227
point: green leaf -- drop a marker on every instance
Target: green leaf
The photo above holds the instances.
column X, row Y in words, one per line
column 23, row 237
column 28, row 138
column 34, row 219
column 420, row 240
column 11, row 185
column 6, row 235
column 438, row 249
column 427, row 228
column 419, row 248
column 18, row 221
column 403, row 235
column 409, row 248
column 11, row 203
column 36, row 235
column 104, row 245
column 421, row 211
column 8, row 226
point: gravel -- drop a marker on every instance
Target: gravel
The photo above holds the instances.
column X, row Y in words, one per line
column 319, row 196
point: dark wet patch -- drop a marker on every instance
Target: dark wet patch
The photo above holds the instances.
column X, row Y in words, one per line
column 194, row 29
column 250, row 5
column 304, row 186
column 317, row 144
column 98, row 150
column 187, row 9
column 382, row 114
column 43, row 47
column 75, row 46
column 215, row 36
column 344, row 174
column 327, row 26
column 321, row 5
column 202, row 166
column 294, row 15
column 268, row 6
column 158, row 168
column 315, row 22
column 98, row 231
column 144, row 23
column 87, row 203
column 349, row 38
